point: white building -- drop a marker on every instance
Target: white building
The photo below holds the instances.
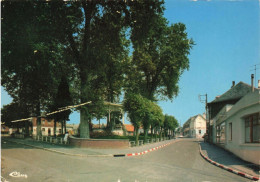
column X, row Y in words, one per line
column 242, row 123
column 235, row 117
column 195, row 127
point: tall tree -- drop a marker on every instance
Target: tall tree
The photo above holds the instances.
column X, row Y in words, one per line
column 94, row 31
column 158, row 119
column 135, row 107
column 29, row 55
column 170, row 124
column 159, row 58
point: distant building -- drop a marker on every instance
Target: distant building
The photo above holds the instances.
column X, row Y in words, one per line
column 129, row 129
column 72, row 129
column 195, row 127
column 47, row 127
column 178, row 132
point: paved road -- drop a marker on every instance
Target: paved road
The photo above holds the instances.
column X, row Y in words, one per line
column 177, row 162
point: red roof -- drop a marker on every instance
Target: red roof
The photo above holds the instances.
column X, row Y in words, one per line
column 129, row 127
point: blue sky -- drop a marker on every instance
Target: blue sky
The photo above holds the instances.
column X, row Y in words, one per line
column 227, row 37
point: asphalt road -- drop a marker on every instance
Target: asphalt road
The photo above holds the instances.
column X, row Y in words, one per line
column 179, row 162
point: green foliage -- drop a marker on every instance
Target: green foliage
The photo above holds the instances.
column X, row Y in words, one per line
column 87, row 44
column 142, row 111
column 134, row 105
column 30, row 55
column 170, row 123
column 159, row 59
column 62, row 100
column 11, row 112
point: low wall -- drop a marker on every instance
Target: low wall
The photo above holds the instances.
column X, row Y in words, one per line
column 98, row 143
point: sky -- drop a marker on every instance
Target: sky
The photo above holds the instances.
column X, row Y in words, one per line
column 227, row 38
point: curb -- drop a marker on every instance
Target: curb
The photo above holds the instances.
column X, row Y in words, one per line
column 150, row 150
column 228, row 168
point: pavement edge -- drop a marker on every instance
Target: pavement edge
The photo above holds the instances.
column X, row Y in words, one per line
column 228, row 168
column 150, row 150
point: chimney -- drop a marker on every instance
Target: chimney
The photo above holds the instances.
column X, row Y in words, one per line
column 252, row 82
column 233, row 84
column 258, row 83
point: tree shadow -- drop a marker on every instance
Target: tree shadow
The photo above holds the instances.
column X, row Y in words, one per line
column 28, row 143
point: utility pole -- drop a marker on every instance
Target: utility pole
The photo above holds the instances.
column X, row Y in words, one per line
column 204, row 99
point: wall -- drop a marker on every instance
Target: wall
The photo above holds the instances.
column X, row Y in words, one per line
column 98, row 143
column 246, row 151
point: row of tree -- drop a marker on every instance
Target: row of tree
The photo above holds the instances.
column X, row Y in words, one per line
column 143, row 112
column 59, row 53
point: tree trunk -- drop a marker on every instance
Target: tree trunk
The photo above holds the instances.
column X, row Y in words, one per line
column 84, row 123
column 26, row 128
column 160, row 133
column 112, row 122
column 62, row 126
column 151, row 132
column 137, row 136
column 145, row 134
column 39, row 124
column 55, row 128
column 155, row 132
column 134, row 134
column 65, row 128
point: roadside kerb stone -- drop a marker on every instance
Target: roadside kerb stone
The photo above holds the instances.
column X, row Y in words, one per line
column 228, row 168
column 150, row 150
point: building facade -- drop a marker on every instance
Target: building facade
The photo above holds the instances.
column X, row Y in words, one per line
column 235, row 121
column 195, row 127
column 242, row 124
column 47, row 127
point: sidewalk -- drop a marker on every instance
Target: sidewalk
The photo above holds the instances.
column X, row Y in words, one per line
column 88, row 152
column 228, row 159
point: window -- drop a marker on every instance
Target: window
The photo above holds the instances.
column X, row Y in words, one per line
column 252, row 128
column 230, row 131
column 199, row 131
column 43, row 129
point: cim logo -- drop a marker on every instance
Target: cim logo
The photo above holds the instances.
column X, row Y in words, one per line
column 16, row 174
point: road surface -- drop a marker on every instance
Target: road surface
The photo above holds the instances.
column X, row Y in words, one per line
column 178, row 162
